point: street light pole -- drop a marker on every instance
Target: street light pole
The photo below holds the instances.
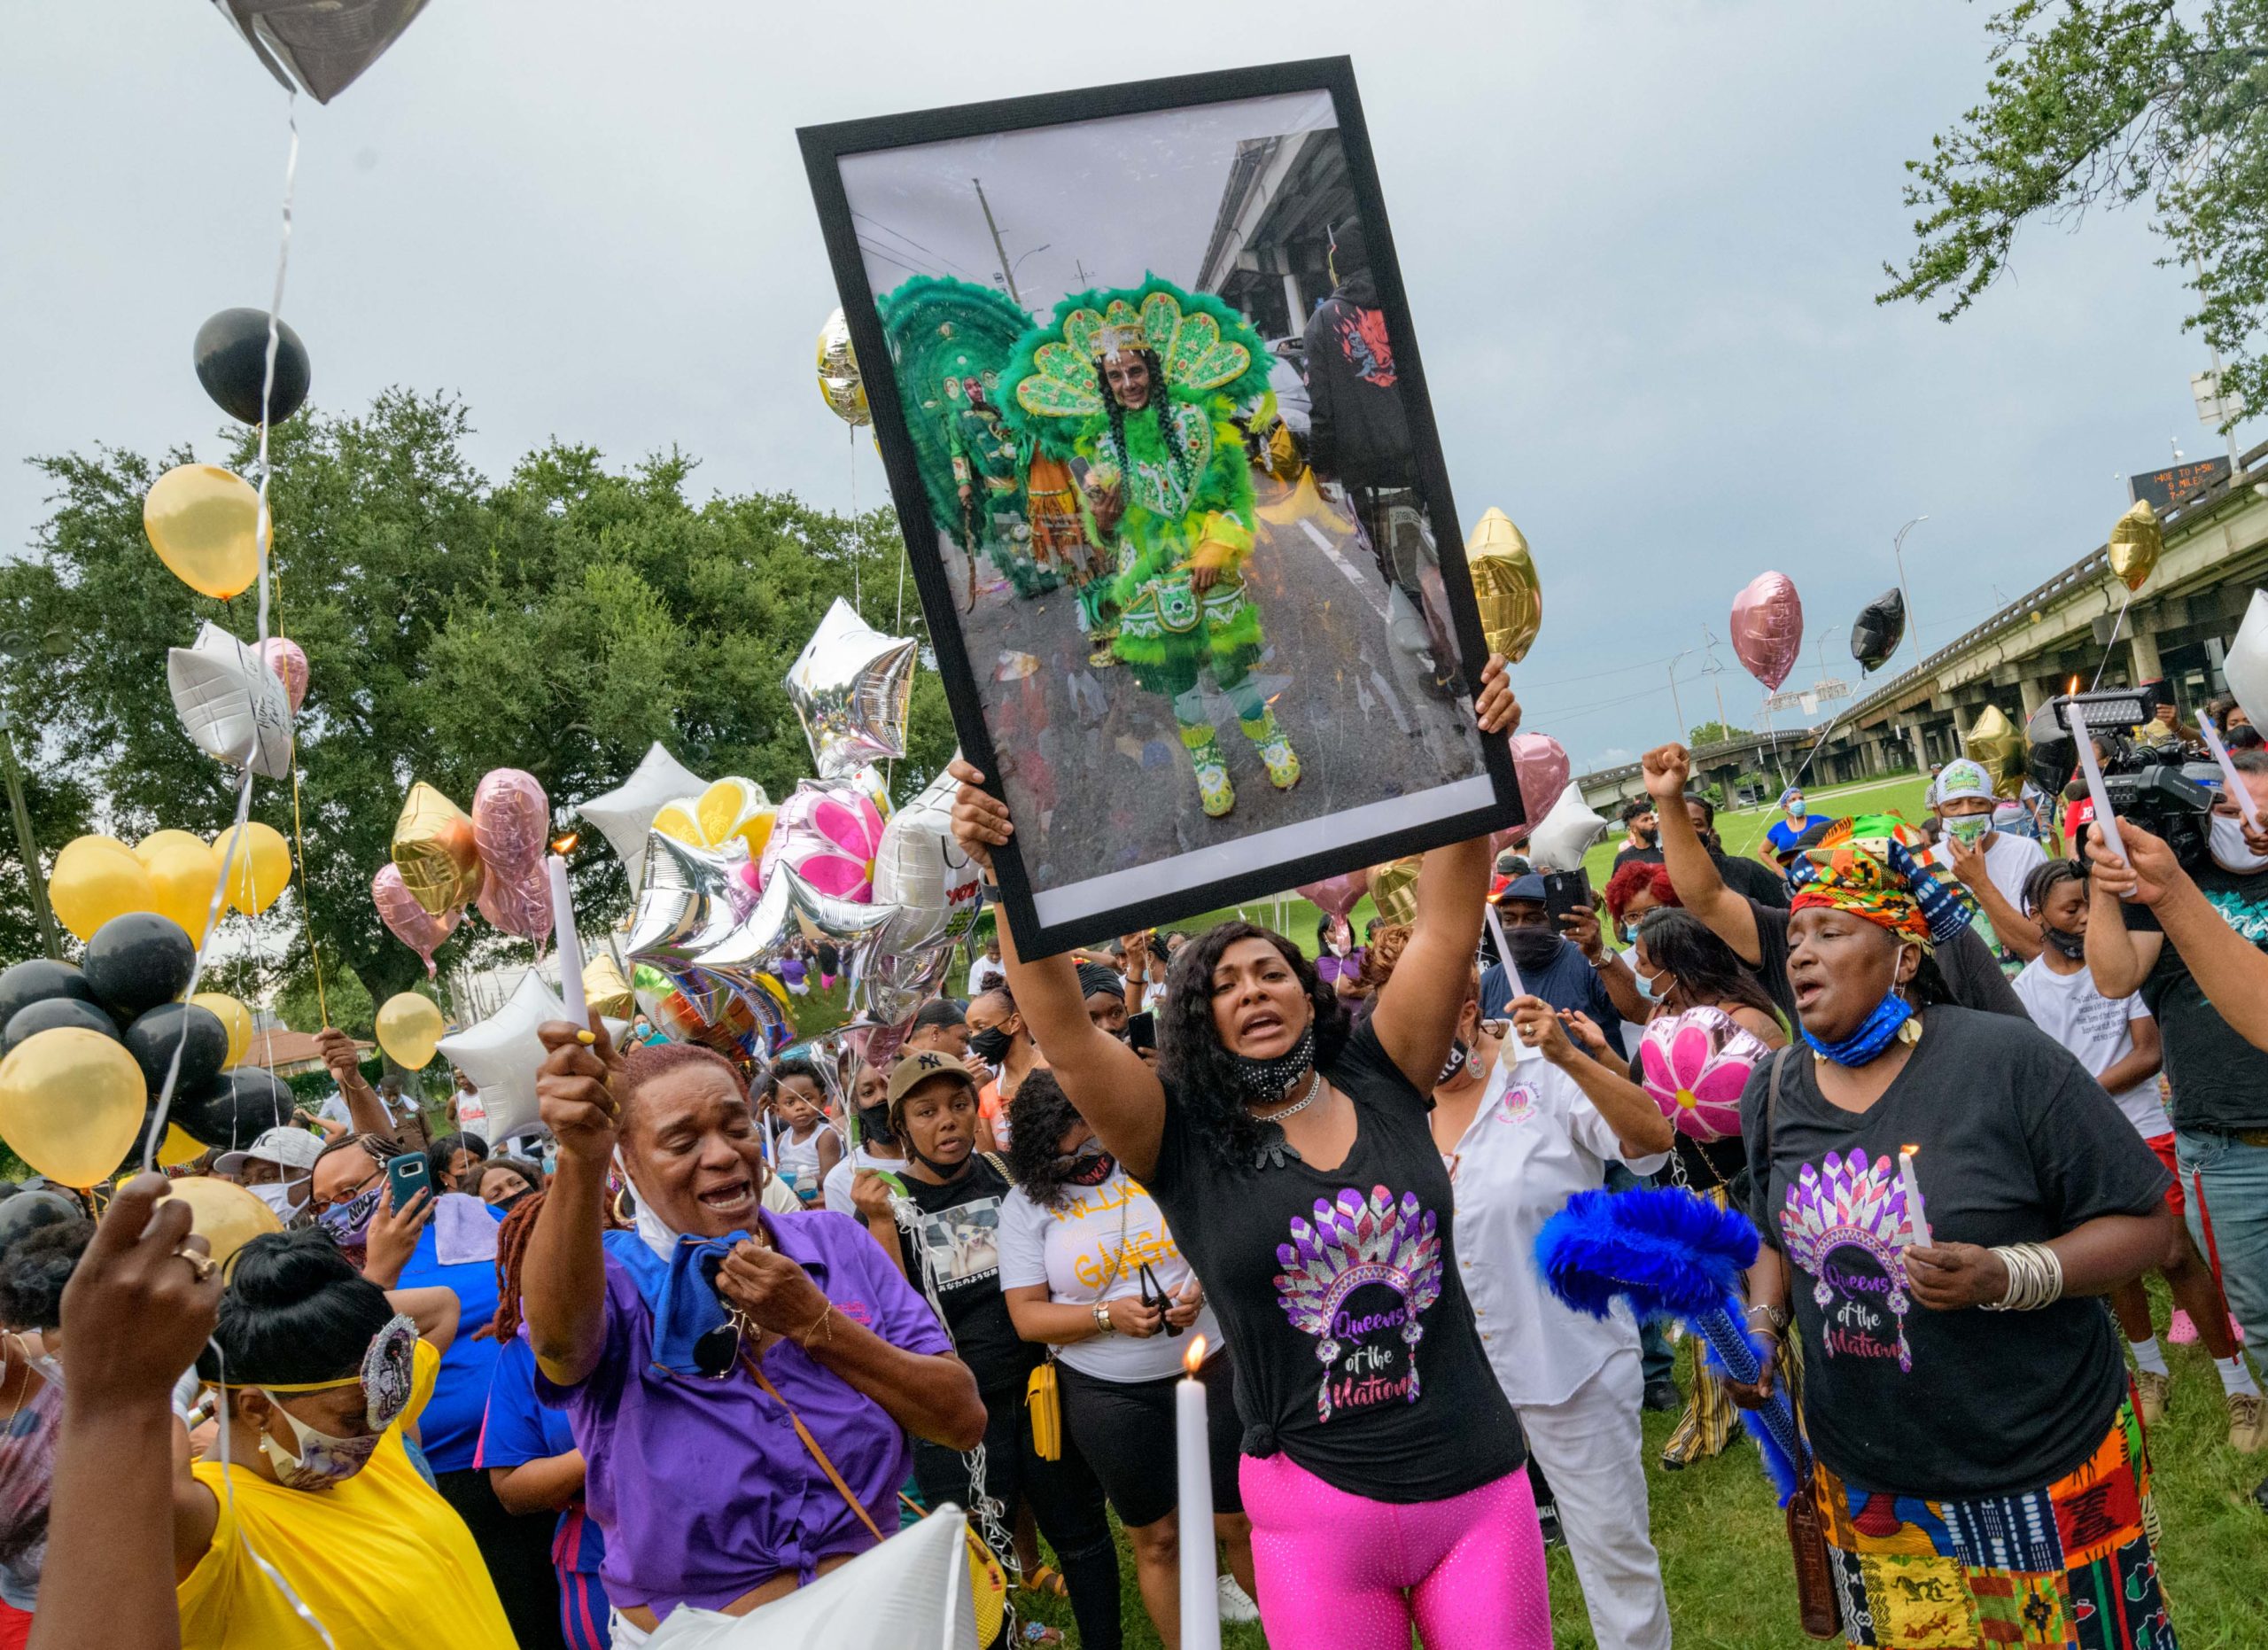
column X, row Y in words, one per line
column 1007, row 275
column 27, row 847
column 1676, row 704
column 1898, row 552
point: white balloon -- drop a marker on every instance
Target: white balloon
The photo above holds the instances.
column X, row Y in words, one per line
column 625, row 814
column 911, row 1590
column 230, row 704
column 501, row 1055
column 2247, row 665
column 1558, row 844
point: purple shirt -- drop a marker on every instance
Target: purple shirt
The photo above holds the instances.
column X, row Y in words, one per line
column 702, row 1486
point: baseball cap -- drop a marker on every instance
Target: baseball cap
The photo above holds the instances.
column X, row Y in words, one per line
column 284, row 1146
column 915, row 1069
column 1529, row 887
column 1963, row 778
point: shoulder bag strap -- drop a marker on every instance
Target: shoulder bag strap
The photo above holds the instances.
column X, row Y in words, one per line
column 748, row 1363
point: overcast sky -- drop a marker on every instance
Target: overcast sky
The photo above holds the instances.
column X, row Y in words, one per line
column 1640, row 244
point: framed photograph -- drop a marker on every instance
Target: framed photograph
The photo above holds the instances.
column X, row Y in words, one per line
column 1146, row 384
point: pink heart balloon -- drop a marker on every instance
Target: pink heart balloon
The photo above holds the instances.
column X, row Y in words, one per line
column 1542, row 765
column 1768, row 628
column 289, row 664
column 511, row 823
column 1336, row 895
column 407, row 921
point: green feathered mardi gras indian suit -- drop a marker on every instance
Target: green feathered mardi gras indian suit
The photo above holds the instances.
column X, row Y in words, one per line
column 1169, row 493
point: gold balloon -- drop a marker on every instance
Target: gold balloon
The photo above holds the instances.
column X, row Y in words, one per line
column 71, row 1103
column 1999, row 746
column 2136, row 543
column 203, row 521
column 179, row 1146
column 435, row 852
column 1394, row 888
column 1505, row 585
column 257, row 867
column 409, row 1028
column 839, row 383
column 95, row 879
column 232, row 1014
column 605, row 989
column 224, row 1214
column 182, row 873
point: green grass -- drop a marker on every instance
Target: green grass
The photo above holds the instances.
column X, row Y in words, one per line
column 1724, row 1549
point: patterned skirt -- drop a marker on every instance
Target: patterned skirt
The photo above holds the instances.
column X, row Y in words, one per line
column 2069, row 1565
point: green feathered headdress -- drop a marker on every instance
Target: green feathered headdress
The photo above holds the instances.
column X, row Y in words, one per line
column 1206, row 349
column 941, row 329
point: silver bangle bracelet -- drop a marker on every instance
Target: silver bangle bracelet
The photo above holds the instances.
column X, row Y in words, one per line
column 2035, row 1278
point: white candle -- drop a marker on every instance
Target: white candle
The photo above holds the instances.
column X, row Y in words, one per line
column 2092, row 769
column 1917, row 1218
column 2229, row 778
column 1518, row 1049
column 1200, row 1599
column 571, row 944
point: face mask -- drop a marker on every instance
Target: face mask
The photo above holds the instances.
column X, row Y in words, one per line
column 873, row 1126
column 1968, row 830
column 990, row 1045
column 1648, row 989
column 2071, row 945
column 1795, row 807
column 323, row 1460
column 349, row 1223
column 1874, row 1033
column 1263, row 1082
column 2230, row 851
column 284, row 1197
column 1459, row 1056
column 1532, row 948
column 1090, row 1166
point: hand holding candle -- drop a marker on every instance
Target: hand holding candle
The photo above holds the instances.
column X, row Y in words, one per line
column 1200, row 1598
column 1917, row 1218
column 2230, row 780
column 571, row 942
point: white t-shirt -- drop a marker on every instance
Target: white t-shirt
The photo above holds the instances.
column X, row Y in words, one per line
column 2008, row 861
column 1071, row 1250
column 835, row 1192
column 2095, row 1028
column 472, row 1113
column 979, row 970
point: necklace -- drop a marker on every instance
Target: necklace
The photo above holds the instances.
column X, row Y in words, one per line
column 1315, row 1087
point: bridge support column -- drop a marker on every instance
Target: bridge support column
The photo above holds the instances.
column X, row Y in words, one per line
column 2147, row 665
column 2034, row 695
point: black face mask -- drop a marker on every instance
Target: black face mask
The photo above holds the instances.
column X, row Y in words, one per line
column 873, row 1125
column 1091, row 1168
column 1532, row 948
column 2071, row 945
column 1459, row 1055
column 990, row 1045
column 1265, row 1082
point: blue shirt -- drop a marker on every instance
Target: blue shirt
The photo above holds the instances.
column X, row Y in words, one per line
column 1783, row 833
column 450, row 1426
column 519, row 1430
column 1568, row 981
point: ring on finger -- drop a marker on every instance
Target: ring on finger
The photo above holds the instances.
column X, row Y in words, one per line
column 203, row 1265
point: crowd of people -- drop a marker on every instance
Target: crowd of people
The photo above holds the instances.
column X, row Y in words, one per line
column 709, row 1340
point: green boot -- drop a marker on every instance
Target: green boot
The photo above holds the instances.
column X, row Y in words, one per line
column 1213, row 788
column 1268, row 738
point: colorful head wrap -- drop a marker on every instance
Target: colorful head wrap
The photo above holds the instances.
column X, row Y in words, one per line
column 1877, row 867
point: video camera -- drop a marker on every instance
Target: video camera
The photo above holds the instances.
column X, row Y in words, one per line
column 2166, row 786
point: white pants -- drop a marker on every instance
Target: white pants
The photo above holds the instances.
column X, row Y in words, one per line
column 1591, row 1450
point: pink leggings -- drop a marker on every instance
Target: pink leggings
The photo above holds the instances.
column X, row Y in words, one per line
column 1346, row 1571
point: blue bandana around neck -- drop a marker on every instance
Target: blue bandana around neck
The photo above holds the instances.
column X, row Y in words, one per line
column 684, row 1308
column 1872, row 1037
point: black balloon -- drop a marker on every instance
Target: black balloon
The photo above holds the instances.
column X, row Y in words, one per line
column 232, row 364
column 33, row 1018
column 27, row 1212
column 236, row 1110
column 152, row 1038
column 138, row 961
column 38, row 980
column 1881, row 626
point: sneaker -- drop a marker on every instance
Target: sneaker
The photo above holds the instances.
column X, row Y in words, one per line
column 1235, row 1605
column 1547, row 1518
column 1214, row 791
column 2247, row 1423
column 2182, row 1330
column 1663, row 1397
column 1276, row 753
column 2150, row 1389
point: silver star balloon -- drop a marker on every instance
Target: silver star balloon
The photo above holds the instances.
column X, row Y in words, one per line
column 852, row 686
column 693, row 901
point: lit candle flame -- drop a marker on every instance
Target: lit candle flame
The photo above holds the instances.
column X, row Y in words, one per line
column 2071, row 686
column 1911, row 1151
column 1195, row 1355
column 566, row 845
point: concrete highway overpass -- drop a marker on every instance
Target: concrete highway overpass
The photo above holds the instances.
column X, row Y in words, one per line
column 2215, row 554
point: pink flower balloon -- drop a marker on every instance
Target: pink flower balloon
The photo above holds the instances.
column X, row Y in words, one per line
column 289, row 664
column 1768, row 628
column 829, row 831
column 1336, row 895
column 1695, row 1065
column 511, row 823
column 1541, row 763
column 407, row 921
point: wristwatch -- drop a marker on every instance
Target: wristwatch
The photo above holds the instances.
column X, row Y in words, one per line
column 1103, row 1326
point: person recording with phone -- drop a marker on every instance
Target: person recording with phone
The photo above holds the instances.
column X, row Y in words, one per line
column 1561, row 957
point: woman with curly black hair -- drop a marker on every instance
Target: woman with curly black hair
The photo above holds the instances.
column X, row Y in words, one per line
column 1382, row 1465
column 1090, row 1271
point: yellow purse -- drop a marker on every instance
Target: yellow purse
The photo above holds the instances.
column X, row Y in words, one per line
column 1044, row 1398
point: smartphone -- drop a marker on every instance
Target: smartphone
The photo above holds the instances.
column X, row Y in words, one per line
column 407, row 1175
column 1142, row 1030
column 1563, row 892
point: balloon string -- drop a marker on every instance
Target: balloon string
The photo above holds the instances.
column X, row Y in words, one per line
column 2116, row 626
column 858, row 543
column 262, row 533
column 299, row 837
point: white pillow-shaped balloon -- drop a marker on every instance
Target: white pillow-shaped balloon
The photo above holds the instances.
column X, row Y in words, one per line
column 625, row 815
column 230, row 705
column 2247, row 665
column 1571, row 828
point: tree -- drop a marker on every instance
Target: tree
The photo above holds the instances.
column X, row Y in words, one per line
column 1717, row 732
column 2104, row 103
column 558, row 622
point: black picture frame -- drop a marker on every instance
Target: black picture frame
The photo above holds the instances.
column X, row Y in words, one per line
column 825, row 148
